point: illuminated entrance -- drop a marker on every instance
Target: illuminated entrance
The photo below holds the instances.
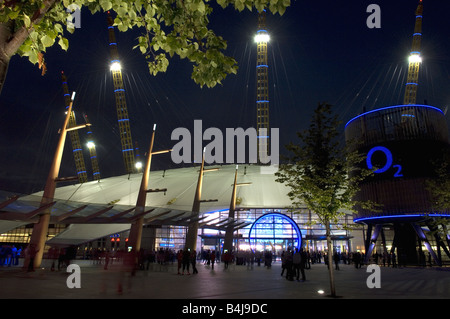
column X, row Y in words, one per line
column 274, row 231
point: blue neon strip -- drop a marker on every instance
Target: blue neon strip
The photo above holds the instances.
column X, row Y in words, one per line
column 113, row 43
column 77, row 150
column 95, row 173
column 119, row 90
column 123, row 120
column 111, row 27
column 408, row 115
column 93, row 156
column 89, row 132
column 67, row 94
column 400, row 216
column 127, row 150
column 419, row 17
column 112, row 61
column 412, row 83
column 417, row 34
column 262, row 66
column 261, row 31
column 415, row 52
column 392, row 107
column 262, row 101
column 81, row 172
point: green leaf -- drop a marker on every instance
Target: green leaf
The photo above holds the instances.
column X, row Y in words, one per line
column 26, row 21
column 47, row 41
column 13, row 14
column 58, row 28
column 33, row 57
column 201, row 7
column 63, row 43
column 106, row 4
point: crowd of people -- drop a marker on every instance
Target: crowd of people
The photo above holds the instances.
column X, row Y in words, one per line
column 293, row 262
column 9, row 255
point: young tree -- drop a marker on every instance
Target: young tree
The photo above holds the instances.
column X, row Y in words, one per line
column 439, row 186
column 169, row 27
column 321, row 174
column 439, row 189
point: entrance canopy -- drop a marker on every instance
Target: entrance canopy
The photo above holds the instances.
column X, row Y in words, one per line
column 101, row 208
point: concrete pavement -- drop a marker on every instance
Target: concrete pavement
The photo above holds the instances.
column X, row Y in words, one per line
column 237, row 282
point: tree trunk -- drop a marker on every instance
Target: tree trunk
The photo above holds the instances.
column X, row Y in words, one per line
column 5, row 35
column 11, row 39
column 4, row 63
column 330, row 259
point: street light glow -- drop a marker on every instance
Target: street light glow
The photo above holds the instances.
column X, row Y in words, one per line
column 262, row 37
column 115, row 66
column 415, row 58
column 90, row 144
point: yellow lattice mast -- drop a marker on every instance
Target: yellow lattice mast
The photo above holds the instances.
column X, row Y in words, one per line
column 414, row 60
column 92, row 152
column 74, row 136
column 121, row 103
column 262, row 86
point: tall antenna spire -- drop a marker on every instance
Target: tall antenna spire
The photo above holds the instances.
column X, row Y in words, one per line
column 74, row 136
column 121, row 103
column 262, row 86
column 414, row 60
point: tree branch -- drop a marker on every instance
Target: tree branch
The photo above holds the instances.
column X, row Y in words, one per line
column 22, row 33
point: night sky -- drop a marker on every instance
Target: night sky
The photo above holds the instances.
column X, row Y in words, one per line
column 320, row 51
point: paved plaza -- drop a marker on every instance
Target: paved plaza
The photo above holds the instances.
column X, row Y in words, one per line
column 237, row 282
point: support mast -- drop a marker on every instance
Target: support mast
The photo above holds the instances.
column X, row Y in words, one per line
column 40, row 229
column 192, row 231
column 138, row 222
column 414, row 60
column 74, row 136
column 92, row 152
column 121, row 103
column 262, row 87
column 228, row 241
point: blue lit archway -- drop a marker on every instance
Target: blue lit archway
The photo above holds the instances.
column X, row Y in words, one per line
column 274, row 228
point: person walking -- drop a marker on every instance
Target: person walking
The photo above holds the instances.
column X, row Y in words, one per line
column 213, row 259
column 283, row 262
column 186, row 260
column 180, row 260
column 18, row 255
column 31, row 252
column 336, row 260
column 226, row 259
column 193, row 262
column 303, row 262
column 288, row 256
column 297, row 260
column 394, row 260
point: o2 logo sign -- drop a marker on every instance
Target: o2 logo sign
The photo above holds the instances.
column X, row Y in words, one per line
column 389, row 161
